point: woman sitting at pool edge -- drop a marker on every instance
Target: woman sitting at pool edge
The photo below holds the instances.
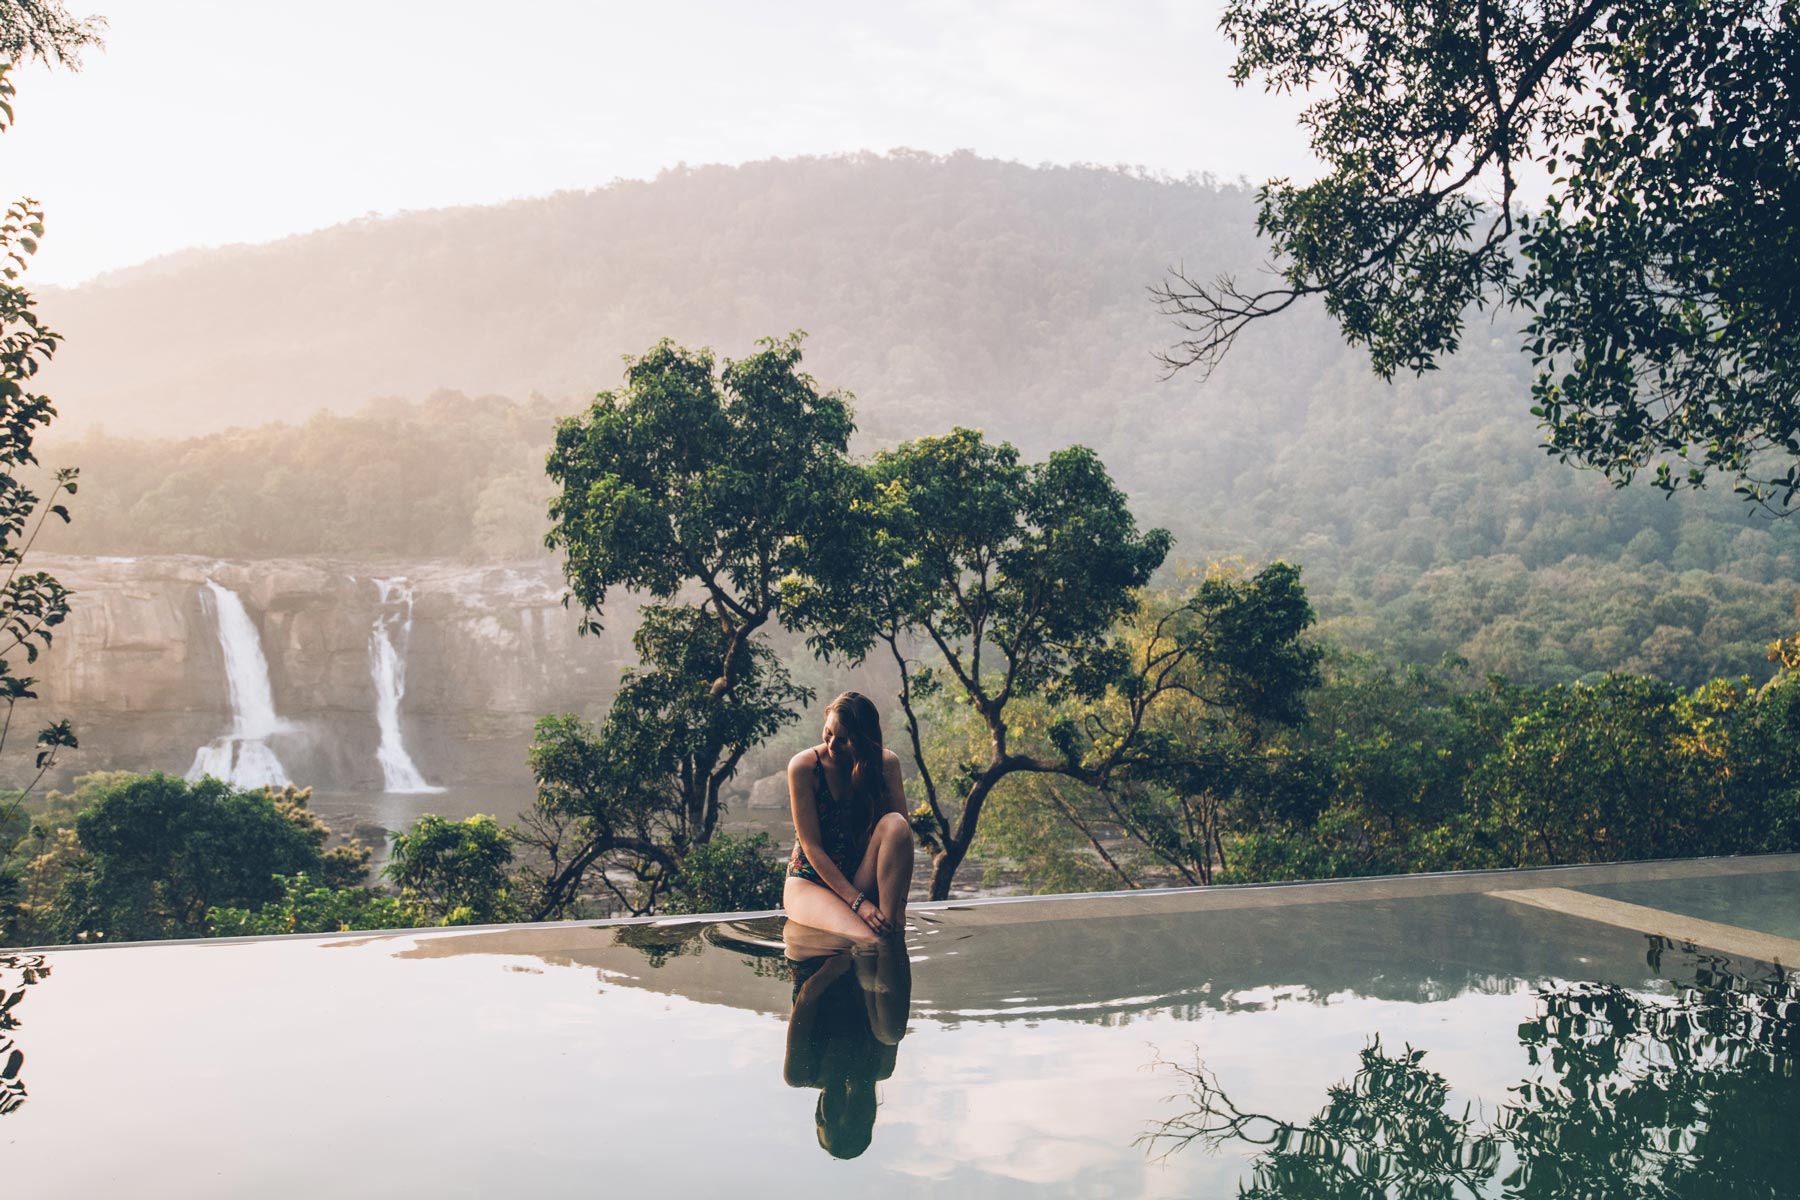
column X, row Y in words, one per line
column 853, row 847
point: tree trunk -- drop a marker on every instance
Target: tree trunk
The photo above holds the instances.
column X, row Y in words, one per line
column 943, row 870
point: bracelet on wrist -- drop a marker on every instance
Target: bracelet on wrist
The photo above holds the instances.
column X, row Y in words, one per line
column 856, row 905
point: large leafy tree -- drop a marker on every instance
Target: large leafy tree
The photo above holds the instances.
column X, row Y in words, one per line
column 1184, row 729
column 159, row 852
column 32, row 603
column 1656, row 279
column 455, row 871
column 635, row 798
column 998, row 579
column 700, row 486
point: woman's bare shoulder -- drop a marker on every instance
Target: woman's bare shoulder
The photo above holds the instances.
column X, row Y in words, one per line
column 803, row 761
column 889, row 758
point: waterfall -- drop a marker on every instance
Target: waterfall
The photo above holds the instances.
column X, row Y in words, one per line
column 242, row 757
column 387, row 664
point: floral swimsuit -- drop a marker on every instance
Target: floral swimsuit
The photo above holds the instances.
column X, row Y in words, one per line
column 843, row 842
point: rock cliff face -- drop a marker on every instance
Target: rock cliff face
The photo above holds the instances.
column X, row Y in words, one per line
column 140, row 669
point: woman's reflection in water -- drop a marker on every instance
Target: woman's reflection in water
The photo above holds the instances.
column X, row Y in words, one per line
column 850, row 1010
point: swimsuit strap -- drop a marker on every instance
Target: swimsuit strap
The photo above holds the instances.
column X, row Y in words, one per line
column 819, row 771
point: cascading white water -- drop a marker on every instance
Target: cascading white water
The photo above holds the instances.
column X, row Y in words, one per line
column 242, row 757
column 387, row 664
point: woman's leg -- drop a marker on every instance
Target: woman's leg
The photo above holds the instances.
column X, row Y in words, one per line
column 816, row 905
column 887, row 868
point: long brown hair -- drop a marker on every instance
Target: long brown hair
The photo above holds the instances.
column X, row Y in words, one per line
column 860, row 723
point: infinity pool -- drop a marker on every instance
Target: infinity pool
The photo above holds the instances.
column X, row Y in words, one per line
column 1624, row 1030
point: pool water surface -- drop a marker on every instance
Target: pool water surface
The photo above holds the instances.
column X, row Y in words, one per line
column 1417, row 1035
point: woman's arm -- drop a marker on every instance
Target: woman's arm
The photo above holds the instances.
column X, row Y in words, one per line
column 805, row 806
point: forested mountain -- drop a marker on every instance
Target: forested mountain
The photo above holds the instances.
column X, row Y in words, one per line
column 940, row 291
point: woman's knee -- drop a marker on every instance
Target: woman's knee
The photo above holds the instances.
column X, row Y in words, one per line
column 894, row 827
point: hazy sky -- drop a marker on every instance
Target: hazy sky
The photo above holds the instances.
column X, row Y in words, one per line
column 204, row 123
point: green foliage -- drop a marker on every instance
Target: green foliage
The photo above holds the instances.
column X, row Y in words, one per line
column 32, row 603
column 1659, row 305
column 343, row 866
column 728, row 874
column 125, row 856
column 1013, row 573
column 44, row 853
column 1446, row 529
column 696, row 477
column 621, row 796
column 1229, row 654
column 17, row 973
column 692, row 480
column 453, row 476
column 309, row 907
column 966, row 544
column 1376, row 782
column 1629, row 769
column 1026, row 836
column 159, row 852
column 1577, row 619
column 669, row 710
column 455, row 872
column 1414, row 775
column 1409, row 770
column 43, row 30
column 1445, row 534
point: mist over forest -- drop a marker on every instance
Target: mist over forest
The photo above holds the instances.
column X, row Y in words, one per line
column 387, row 388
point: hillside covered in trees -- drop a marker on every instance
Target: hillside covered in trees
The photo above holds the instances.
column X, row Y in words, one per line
column 387, row 389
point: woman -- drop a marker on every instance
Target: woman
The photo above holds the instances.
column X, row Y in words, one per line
column 853, row 848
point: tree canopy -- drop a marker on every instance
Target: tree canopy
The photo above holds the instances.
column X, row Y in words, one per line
column 702, row 486
column 1008, row 585
column 32, row 603
column 160, row 852
column 45, row 31
column 1655, row 280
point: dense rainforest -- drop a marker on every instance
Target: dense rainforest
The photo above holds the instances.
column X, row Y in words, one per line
column 1461, row 579
column 289, row 399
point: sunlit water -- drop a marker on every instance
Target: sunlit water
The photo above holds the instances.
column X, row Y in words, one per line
column 1410, row 1037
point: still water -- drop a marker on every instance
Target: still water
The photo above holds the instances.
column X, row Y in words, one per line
column 1404, row 1037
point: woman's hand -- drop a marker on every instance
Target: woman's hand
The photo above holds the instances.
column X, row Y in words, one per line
column 874, row 918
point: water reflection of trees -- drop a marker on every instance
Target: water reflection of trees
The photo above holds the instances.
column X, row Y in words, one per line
column 1634, row 1095
column 758, row 941
column 17, row 973
column 850, row 1012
